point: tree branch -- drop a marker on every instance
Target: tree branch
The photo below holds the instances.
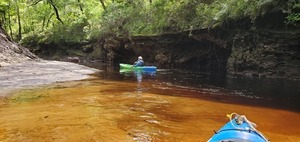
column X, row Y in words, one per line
column 36, row 2
column 56, row 11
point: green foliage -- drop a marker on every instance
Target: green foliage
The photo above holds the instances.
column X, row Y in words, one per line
column 39, row 20
column 4, row 5
column 162, row 16
column 86, row 20
column 293, row 18
column 71, row 31
column 293, row 11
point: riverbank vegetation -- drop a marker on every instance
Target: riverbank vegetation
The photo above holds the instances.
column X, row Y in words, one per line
column 76, row 21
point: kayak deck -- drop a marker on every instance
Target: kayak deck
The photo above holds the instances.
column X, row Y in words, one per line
column 238, row 129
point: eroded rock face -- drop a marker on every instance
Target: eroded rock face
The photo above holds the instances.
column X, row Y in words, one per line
column 266, row 53
column 266, row 48
column 11, row 52
column 192, row 50
column 245, row 51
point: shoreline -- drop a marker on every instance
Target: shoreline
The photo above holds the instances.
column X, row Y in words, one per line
column 40, row 72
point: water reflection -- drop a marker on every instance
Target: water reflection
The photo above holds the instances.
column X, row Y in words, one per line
column 138, row 74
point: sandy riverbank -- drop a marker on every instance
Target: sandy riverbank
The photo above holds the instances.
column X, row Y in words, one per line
column 40, row 72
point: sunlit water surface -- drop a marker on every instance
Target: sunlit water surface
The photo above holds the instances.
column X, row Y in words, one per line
column 169, row 105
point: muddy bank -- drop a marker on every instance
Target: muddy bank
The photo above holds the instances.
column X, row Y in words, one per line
column 40, row 72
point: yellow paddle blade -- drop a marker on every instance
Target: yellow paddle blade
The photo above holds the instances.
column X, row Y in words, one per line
column 228, row 115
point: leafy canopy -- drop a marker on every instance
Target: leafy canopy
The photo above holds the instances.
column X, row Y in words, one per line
column 73, row 21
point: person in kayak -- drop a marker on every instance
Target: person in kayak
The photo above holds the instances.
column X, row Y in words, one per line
column 139, row 62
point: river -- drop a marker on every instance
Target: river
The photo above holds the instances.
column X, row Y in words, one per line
column 167, row 105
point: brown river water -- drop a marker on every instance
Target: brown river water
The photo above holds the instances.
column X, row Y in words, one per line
column 117, row 107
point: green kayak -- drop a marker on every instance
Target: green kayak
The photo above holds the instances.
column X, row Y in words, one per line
column 138, row 68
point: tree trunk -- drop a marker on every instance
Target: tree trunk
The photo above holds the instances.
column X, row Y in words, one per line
column 19, row 22
column 9, row 23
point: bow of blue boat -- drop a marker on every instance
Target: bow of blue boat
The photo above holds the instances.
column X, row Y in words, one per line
column 238, row 129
